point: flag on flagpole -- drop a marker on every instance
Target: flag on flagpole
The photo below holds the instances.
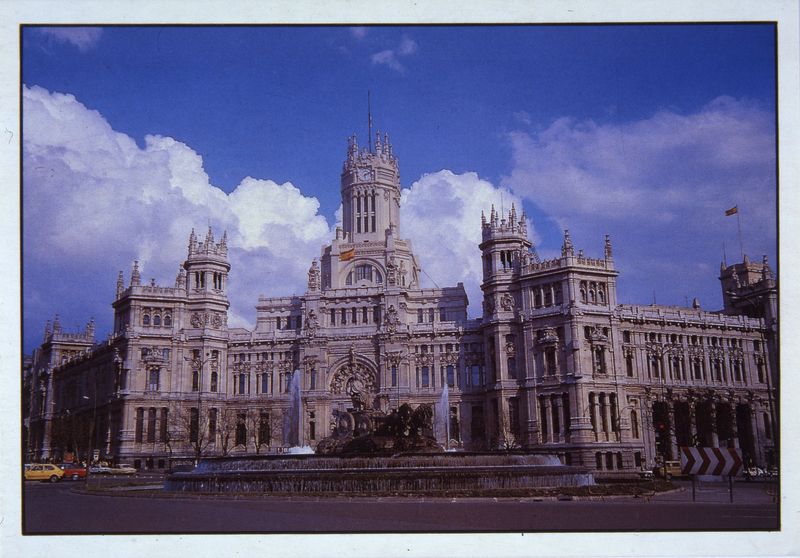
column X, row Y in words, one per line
column 732, row 211
column 347, row 255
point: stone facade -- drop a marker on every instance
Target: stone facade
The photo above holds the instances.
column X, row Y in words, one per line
column 554, row 364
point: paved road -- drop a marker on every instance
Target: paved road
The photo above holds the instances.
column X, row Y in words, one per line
column 59, row 509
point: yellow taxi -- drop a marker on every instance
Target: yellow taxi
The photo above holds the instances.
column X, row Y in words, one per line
column 43, row 472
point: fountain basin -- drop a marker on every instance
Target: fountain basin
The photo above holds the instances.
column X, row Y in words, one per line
column 408, row 474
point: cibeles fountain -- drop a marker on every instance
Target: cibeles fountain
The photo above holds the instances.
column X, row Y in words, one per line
column 375, row 451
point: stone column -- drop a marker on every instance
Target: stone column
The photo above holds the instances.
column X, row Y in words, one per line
column 713, row 417
column 673, row 439
column 609, row 424
column 693, row 421
column 547, row 433
column 559, row 403
column 734, row 426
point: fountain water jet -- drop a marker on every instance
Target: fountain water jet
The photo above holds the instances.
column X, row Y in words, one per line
column 293, row 425
column 443, row 417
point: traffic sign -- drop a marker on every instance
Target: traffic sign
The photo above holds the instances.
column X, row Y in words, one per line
column 711, row 461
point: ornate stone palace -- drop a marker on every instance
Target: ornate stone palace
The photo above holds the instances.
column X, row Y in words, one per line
column 554, row 365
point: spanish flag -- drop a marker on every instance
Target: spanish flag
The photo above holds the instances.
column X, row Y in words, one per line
column 732, row 211
column 347, row 255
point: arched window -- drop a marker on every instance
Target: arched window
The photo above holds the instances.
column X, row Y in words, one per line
column 146, row 319
column 601, row 293
column 378, row 277
column 583, row 294
column 349, row 280
column 168, row 320
column 156, row 320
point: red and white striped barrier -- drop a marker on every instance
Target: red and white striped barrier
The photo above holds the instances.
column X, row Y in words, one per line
column 711, row 461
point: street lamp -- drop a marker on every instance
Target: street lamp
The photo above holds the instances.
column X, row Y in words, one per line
column 92, row 439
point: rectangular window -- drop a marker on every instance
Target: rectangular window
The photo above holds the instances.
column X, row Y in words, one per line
column 354, row 313
column 194, row 424
column 442, row 314
column 344, row 316
column 313, row 380
column 477, row 428
column 242, row 383
column 365, row 315
column 550, row 361
column 431, row 314
column 163, row 433
column 629, row 365
column 241, row 429
column 425, row 376
column 139, row 425
column 420, row 316
column 376, row 314
column 151, row 425
column 195, row 380
column 512, row 368
column 264, row 383
column 476, row 375
column 264, row 437
column 212, row 424
column 152, row 384
column 513, row 415
column 299, row 322
column 451, row 375
column 394, row 376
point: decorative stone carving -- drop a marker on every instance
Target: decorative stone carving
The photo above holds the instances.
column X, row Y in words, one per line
column 391, row 272
column 309, row 363
column 511, row 349
column 356, row 380
column 391, row 320
column 314, row 276
column 547, row 336
column 597, row 337
column 507, row 302
column 216, row 320
column 196, row 320
column 311, row 323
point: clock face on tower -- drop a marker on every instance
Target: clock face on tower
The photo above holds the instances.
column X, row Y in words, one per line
column 365, row 174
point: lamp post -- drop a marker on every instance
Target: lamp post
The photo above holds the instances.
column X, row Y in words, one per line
column 92, row 438
column 198, row 364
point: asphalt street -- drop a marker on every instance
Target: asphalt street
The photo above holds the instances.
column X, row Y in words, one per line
column 64, row 508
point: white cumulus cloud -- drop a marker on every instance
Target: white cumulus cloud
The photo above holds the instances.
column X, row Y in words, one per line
column 441, row 215
column 660, row 185
column 93, row 201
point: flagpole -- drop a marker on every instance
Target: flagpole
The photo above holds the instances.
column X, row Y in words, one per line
column 369, row 120
column 739, row 226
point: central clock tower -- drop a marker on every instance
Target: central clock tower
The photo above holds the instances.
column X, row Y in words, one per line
column 370, row 191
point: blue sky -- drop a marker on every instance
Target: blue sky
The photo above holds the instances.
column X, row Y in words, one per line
column 645, row 132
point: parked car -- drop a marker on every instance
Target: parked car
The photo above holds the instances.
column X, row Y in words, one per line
column 73, row 471
column 646, row 474
column 668, row 470
column 43, row 472
column 754, row 473
column 99, row 470
column 123, row 470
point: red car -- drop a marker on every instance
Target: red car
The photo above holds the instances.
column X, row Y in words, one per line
column 73, row 471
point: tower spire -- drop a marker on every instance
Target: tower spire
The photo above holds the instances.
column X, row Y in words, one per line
column 120, row 284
